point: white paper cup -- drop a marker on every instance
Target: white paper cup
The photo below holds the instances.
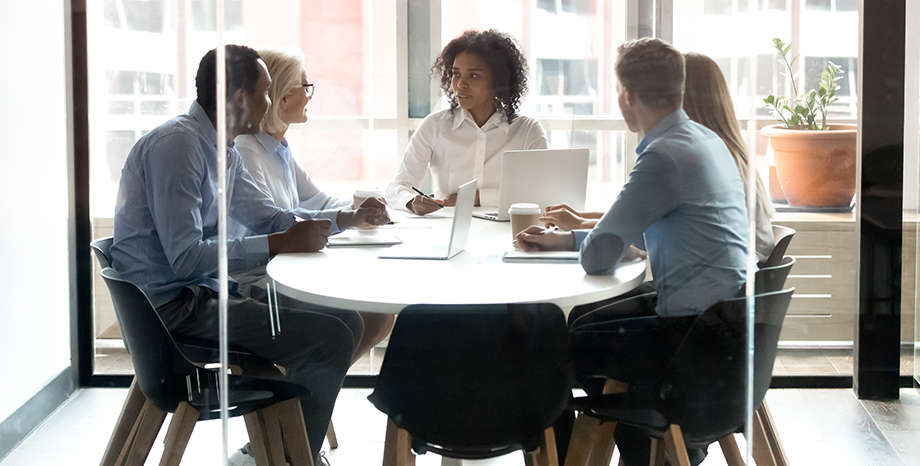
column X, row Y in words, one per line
column 362, row 195
column 523, row 215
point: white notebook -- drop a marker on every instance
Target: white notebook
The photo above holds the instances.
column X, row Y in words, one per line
column 562, row 257
column 362, row 238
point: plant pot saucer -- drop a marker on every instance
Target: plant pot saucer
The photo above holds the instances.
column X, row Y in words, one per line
column 780, row 206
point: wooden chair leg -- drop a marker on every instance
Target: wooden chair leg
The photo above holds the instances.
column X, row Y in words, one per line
column 585, row 437
column 674, row 443
column 178, row 433
column 760, row 446
column 272, row 432
column 656, row 454
column 258, row 444
column 330, row 436
column 294, row 432
column 730, row 451
column 397, row 449
column 546, row 455
column 603, row 453
column 142, row 436
column 129, row 417
column 772, row 435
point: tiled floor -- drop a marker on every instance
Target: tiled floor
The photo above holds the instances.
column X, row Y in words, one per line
column 817, row 427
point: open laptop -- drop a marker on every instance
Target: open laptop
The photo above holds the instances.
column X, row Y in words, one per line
column 543, row 177
column 459, row 232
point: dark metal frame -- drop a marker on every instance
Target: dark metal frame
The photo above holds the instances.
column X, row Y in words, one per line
column 878, row 330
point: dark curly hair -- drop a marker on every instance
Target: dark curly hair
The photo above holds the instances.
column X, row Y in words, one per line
column 242, row 73
column 500, row 51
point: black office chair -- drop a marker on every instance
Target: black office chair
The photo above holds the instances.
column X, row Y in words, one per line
column 700, row 396
column 474, row 382
column 102, row 247
column 171, row 382
column 782, row 236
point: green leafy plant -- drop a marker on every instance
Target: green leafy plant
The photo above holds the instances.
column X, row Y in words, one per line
column 801, row 111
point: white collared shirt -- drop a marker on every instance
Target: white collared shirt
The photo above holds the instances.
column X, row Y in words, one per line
column 456, row 150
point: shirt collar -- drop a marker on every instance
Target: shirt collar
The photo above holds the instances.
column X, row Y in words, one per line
column 497, row 119
column 204, row 123
column 269, row 143
column 662, row 127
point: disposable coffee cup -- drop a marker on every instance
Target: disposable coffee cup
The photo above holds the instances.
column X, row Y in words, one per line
column 359, row 197
column 523, row 215
column 362, row 195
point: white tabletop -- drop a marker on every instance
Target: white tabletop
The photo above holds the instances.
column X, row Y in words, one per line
column 354, row 278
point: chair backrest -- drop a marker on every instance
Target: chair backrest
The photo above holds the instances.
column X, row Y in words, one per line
column 161, row 369
column 768, row 279
column 476, row 381
column 782, row 236
column 703, row 389
column 102, row 248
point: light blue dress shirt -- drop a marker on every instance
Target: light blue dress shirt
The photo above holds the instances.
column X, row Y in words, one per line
column 273, row 168
column 167, row 210
column 684, row 204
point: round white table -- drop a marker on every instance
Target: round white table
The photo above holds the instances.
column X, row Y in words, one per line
column 354, row 278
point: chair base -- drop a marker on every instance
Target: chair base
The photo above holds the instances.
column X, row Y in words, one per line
column 767, row 449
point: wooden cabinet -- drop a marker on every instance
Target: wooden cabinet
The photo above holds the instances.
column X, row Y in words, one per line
column 824, row 276
column 824, row 306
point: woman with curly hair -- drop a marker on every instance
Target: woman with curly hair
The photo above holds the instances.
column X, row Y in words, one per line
column 483, row 75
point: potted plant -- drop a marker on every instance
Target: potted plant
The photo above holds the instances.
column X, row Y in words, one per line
column 815, row 162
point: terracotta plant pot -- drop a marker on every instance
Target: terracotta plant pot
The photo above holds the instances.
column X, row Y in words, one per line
column 815, row 168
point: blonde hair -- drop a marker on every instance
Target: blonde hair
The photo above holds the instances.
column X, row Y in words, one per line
column 284, row 66
column 707, row 102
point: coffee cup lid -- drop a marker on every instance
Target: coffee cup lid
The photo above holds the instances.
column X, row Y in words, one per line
column 367, row 192
column 524, row 208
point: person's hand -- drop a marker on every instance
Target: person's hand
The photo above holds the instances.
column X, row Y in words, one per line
column 422, row 205
column 306, row 236
column 534, row 238
column 583, row 214
column 372, row 212
column 564, row 219
column 634, row 253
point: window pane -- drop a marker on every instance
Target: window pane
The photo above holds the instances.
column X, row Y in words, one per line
column 717, row 7
column 143, row 56
column 821, row 315
column 818, row 4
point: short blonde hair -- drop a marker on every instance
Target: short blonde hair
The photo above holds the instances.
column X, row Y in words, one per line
column 284, row 66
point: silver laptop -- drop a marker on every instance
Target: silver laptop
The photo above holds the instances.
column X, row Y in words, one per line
column 543, row 177
column 459, row 232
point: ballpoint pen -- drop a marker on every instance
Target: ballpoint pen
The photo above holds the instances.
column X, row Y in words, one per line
column 424, row 195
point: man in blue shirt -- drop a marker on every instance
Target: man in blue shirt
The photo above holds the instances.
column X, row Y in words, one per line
column 684, row 205
column 166, row 238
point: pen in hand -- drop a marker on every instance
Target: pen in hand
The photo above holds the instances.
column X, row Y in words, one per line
column 424, row 195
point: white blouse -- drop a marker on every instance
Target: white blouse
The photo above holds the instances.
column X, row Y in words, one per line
column 456, row 150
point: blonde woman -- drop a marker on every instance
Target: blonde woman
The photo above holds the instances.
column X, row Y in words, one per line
column 708, row 102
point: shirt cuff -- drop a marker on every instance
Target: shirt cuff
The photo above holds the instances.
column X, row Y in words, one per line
column 255, row 249
column 330, row 214
column 580, row 236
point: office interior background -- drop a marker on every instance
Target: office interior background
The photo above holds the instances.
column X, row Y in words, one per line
column 84, row 80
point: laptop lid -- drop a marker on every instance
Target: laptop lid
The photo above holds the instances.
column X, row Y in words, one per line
column 463, row 217
column 543, row 177
column 459, row 232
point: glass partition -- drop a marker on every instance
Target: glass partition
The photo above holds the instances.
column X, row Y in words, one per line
column 817, row 336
